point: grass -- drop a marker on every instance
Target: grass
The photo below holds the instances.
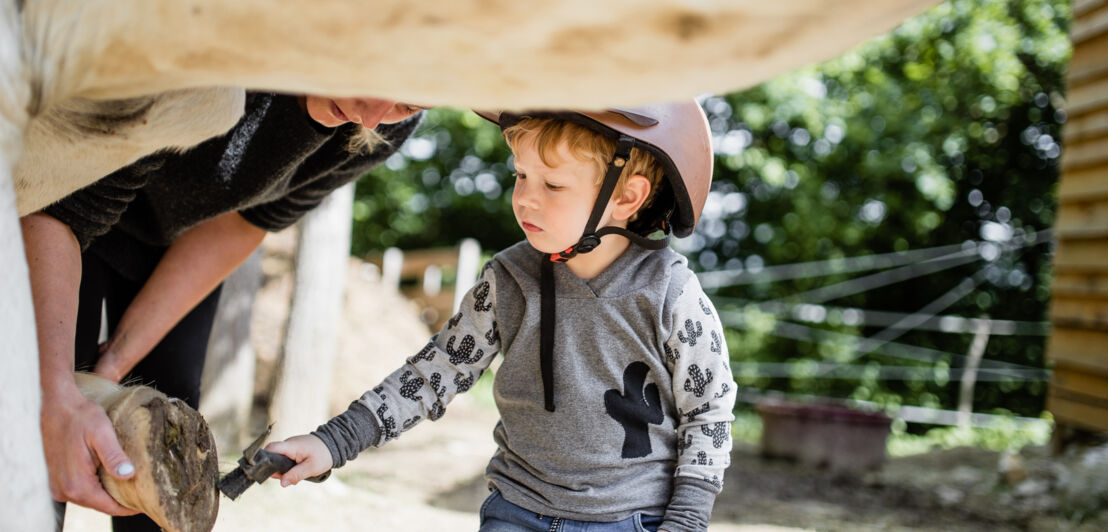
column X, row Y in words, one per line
column 1004, row 435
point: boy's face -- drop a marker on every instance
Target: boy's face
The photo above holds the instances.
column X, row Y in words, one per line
column 552, row 204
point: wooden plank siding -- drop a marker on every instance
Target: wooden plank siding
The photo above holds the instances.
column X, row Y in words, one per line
column 1090, row 19
column 1076, row 285
column 1075, row 380
column 1086, row 61
column 1081, row 255
column 1082, row 220
column 1078, row 347
column 1077, row 311
column 1076, row 412
column 1089, row 184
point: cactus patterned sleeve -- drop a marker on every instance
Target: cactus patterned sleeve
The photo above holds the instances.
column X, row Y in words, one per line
column 703, row 387
column 448, row 365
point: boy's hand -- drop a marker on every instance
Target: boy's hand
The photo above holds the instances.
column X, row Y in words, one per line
column 311, row 455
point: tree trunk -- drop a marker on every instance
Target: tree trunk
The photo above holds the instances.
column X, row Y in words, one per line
column 981, row 330
column 227, row 388
column 302, row 389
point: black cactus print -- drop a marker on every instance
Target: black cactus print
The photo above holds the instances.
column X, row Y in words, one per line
column 388, row 423
column 480, row 298
column 437, row 409
column 493, row 335
column 427, row 353
column 689, row 416
column 436, row 384
column 718, row 432
column 698, row 382
column 635, row 408
column 454, row 320
column 702, row 459
column 409, row 423
column 715, row 481
column 717, row 344
column 691, row 333
column 723, row 390
column 464, row 354
column 410, row 386
column 707, row 310
column 463, row 382
column 672, row 355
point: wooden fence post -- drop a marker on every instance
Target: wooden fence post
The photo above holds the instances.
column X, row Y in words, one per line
column 469, row 262
column 227, row 388
column 301, row 395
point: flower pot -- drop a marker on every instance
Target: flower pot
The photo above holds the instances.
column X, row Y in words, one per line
column 833, row 437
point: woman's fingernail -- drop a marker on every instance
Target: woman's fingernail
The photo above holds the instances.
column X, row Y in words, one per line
column 125, row 469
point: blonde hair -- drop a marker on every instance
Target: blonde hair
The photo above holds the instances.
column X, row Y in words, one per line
column 585, row 145
column 364, row 139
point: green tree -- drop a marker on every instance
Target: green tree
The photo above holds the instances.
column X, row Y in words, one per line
column 448, row 182
column 946, row 130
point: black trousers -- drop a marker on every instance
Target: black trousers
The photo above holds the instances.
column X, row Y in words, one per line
column 173, row 367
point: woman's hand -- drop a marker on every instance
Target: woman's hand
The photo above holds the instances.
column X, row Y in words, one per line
column 77, row 438
column 311, row 455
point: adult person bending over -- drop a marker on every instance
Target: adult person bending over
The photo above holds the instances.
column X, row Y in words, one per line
column 153, row 242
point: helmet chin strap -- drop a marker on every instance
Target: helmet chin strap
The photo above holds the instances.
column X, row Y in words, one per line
column 591, row 238
column 589, row 241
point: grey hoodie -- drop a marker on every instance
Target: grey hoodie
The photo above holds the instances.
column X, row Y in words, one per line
column 642, row 386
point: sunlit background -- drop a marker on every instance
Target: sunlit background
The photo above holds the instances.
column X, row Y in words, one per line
column 870, row 216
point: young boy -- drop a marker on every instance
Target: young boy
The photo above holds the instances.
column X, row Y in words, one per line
column 629, row 426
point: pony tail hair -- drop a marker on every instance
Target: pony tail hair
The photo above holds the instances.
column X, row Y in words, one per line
column 364, row 140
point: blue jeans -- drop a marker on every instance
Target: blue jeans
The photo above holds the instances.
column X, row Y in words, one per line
column 499, row 515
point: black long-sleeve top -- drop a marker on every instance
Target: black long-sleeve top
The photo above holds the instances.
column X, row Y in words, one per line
column 274, row 166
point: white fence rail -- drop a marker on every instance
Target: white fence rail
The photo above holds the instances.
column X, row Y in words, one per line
column 797, row 316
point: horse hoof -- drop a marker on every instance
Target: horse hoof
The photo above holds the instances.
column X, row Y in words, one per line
column 172, row 450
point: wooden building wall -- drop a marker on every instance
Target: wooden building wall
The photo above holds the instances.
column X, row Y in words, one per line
column 1079, row 309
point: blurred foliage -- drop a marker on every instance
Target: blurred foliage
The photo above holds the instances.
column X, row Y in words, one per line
column 448, row 182
column 945, row 130
column 1000, row 436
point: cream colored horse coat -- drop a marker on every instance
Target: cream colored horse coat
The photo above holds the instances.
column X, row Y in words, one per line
column 87, row 86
